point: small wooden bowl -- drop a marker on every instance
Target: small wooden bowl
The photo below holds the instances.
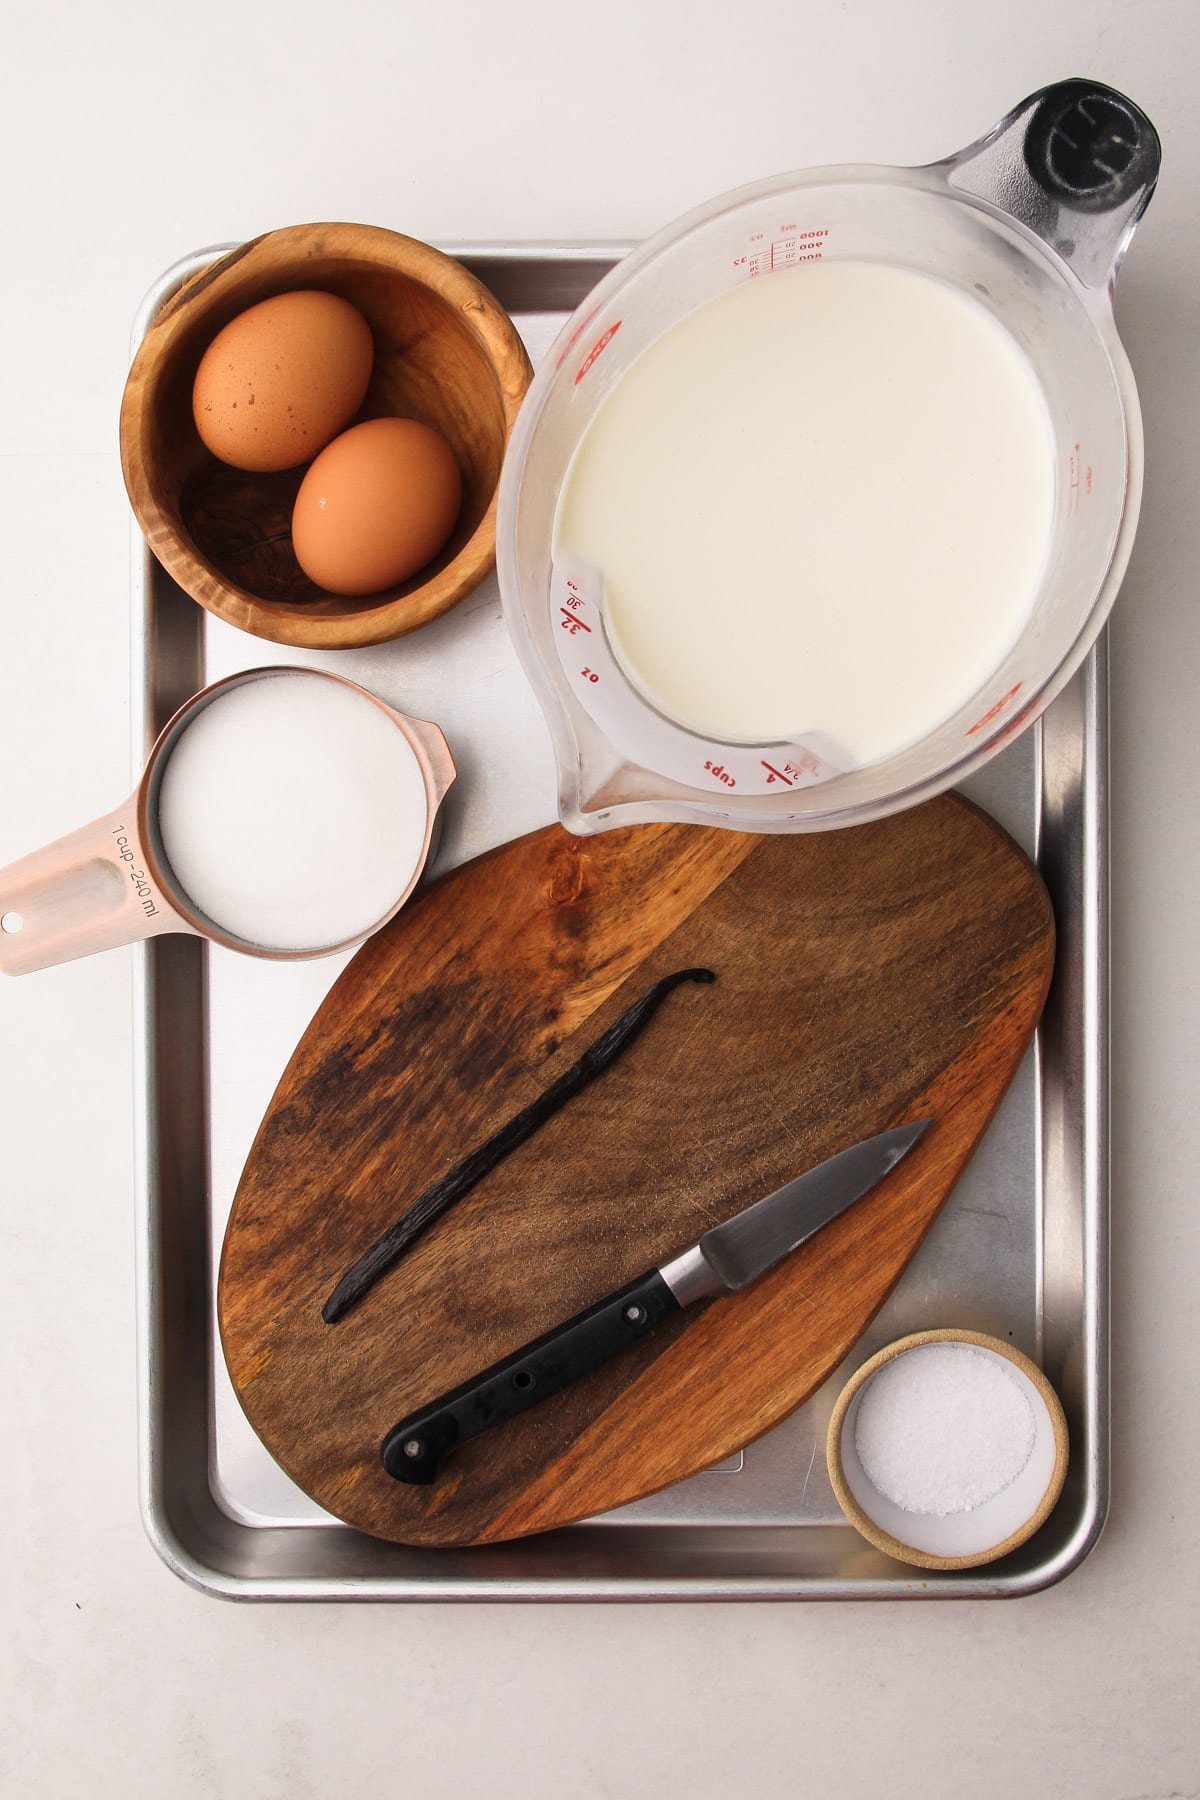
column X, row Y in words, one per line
column 445, row 352
column 957, row 1541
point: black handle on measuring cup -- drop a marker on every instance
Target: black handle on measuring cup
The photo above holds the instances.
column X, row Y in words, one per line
column 1076, row 163
column 1089, row 147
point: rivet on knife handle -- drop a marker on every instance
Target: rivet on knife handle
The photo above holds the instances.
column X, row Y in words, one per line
column 413, row 1449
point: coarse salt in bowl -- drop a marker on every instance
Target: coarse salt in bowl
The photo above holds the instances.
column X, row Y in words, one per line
column 947, row 1449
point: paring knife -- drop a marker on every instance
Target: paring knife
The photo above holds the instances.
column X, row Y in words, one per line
column 726, row 1259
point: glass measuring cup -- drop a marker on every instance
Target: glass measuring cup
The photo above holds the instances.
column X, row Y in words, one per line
column 1032, row 221
column 111, row 882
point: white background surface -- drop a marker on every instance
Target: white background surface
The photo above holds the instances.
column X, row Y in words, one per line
column 133, row 133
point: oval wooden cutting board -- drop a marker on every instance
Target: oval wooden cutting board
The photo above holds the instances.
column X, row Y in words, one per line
column 864, row 978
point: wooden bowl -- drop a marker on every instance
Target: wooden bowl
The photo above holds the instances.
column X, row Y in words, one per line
column 445, row 352
column 992, row 1528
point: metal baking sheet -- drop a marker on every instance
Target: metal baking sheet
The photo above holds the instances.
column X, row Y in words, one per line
column 1020, row 1249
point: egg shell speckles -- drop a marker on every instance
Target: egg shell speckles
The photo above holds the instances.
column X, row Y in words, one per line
column 282, row 379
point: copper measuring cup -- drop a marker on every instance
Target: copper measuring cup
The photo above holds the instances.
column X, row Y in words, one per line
column 110, row 882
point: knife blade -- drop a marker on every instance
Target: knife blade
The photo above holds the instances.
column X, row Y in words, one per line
column 725, row 1260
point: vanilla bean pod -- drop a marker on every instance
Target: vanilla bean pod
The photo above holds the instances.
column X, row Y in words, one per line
column 479, row 1162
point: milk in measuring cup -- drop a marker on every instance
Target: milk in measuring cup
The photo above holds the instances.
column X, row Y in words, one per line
column 821, row 503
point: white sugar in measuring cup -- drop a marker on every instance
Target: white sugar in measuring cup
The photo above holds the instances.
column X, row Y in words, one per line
column 1032, row 221
column 112, row 883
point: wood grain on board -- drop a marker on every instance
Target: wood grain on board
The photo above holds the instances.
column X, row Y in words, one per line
column 864, row 978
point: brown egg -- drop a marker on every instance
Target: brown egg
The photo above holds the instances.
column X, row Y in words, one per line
column 376, row 506
column 282, row 379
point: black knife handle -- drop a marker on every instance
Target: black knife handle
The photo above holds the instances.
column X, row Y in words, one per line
column 413, row 1449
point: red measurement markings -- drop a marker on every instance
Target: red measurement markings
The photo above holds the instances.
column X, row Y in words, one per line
column 805, row 246
column 589, row 674
column 601, row 343
column 784, row 251
column 994, row 711
column 1015, row 725
column 571, row 623
column 792, row 772
column 575, row 337
column 1079, row 478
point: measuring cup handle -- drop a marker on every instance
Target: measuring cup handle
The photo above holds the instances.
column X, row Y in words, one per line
column 1076, row 163
column 435, row 753
column 89, row 891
